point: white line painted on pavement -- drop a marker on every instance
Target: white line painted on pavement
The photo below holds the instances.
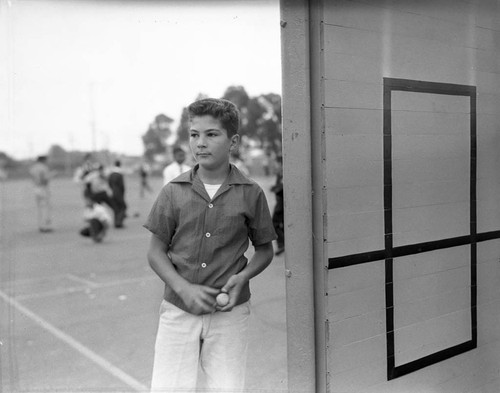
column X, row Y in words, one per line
column 81, row 280
column 88, row 353
column 26, row 281
column 55, row 292
column 96, row 286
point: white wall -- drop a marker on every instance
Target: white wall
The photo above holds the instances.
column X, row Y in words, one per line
column 450, row 42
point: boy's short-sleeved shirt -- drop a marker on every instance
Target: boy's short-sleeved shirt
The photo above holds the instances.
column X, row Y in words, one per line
column 207, row 238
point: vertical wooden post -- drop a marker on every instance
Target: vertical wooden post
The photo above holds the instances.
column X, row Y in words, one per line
column 298, row 196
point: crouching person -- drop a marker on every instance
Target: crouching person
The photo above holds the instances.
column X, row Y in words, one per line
column 98, row 220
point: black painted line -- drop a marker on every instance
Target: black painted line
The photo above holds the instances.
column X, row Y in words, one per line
column 379, row 255
column 388, row 230
column 430, row 359
column 391, row 365
column 392, row 84
column 434, row 245
column 387, row 140
column 473, row 216
column 429, row 87
column 473, row 292
column 390, row 252
column 356, row 259
column 484, row 236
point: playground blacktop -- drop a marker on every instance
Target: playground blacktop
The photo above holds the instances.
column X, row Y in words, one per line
column 81, row 317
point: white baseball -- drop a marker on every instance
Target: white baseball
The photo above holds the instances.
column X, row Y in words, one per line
column 222, row 299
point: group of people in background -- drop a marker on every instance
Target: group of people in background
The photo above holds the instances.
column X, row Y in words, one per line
column 101, row 186
column 104, row 192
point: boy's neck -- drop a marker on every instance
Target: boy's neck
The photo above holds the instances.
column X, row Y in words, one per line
column 213, row 176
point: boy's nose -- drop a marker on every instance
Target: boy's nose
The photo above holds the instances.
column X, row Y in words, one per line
column 201, row 141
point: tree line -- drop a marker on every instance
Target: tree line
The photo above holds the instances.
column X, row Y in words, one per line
column 260, row 122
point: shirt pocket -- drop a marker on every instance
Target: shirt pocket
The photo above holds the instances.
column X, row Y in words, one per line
column 230, row 221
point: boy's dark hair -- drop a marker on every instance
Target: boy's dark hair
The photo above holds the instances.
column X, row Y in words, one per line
column 223, row 110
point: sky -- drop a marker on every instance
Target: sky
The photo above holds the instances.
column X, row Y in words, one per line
column 89, row 73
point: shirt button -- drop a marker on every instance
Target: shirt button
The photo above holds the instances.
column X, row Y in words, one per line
column 210, row 205
column 203, row 265
column 208, row 234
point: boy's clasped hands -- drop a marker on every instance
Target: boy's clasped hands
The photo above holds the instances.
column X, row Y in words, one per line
column 202, row 299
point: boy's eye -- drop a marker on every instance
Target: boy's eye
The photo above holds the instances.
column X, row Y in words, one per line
column 193, row 135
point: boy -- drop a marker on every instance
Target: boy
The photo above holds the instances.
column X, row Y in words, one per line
column 116, row 182
column 98, row 220
column 201, row 224
column 176, row 167
column 41, row 176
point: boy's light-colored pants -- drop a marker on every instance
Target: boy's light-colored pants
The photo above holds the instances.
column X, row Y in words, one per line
column 216, row 344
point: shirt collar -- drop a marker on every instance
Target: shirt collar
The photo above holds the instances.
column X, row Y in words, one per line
column 234, row 177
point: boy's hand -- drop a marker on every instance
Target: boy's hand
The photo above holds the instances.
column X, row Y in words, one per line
column 233, row 289
column 199, row 299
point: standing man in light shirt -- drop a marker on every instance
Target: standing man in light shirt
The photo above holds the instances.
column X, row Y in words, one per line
column 41, row 176
column 176, row 167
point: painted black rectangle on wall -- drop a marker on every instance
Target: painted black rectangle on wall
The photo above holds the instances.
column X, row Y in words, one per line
column 391, row 85
column 390, row 252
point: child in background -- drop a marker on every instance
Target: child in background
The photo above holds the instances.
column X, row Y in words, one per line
column 177, row 167
column 98, row 220
column 279, row 210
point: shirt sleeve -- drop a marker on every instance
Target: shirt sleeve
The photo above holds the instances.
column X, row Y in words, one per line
column 261, row 229
column 161, row 220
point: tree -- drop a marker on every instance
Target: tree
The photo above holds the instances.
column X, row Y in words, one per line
column 7, row 161
column 155, row 138
column 270, row 123
column 251, row 120
column 162, row 125
column 275, row 101
column 7, row 165
column 260, row 121
column 183, row 127
column 58, row 158
column 237, row 95
column 57, row 154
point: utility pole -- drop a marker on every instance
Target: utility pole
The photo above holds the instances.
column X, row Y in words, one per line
column 92, row 118
column 7, row 48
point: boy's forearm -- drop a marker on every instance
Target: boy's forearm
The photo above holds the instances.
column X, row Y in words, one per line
column 259, row 262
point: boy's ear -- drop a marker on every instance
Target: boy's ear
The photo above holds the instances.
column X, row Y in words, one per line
column 235, row 140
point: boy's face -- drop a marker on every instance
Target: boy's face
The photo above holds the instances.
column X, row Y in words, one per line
column 209, row 142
